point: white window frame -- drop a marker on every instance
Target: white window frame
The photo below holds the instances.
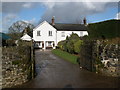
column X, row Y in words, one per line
column 50, row 33
column 38, row 33
column 62, row 34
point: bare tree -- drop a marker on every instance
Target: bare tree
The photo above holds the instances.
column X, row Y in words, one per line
column 16, row 29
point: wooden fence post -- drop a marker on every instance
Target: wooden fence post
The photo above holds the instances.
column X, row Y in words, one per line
column 33, row 61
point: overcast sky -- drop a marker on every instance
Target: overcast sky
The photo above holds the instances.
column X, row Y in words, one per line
column 64, row 12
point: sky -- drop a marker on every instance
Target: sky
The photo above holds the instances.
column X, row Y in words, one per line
column 64, row 12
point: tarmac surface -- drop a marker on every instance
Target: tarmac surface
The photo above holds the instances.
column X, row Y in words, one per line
column 54, row 72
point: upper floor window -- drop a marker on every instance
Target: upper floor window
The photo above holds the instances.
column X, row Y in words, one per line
column 50, row 33
column 62, row 34
column 38, row 33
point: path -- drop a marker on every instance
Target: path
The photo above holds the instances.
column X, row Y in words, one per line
column 53, row 72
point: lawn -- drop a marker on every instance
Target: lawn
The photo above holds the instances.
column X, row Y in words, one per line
column 66, row 56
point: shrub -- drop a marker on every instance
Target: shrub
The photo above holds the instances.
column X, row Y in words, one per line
column 61, row 44
column 77, row 46
column 10, row 42
column 68, row 44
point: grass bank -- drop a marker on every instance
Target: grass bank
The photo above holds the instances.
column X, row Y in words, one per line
column 66, row 56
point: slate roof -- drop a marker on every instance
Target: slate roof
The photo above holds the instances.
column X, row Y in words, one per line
column 70, row 27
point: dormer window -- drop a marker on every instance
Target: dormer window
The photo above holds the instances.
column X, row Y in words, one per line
column 38, row 33
column 50, row 33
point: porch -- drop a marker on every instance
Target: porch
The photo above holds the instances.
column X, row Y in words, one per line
column 44, row 44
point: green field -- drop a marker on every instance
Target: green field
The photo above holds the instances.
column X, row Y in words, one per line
column 66, row 56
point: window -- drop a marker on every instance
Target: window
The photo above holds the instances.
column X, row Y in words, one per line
column 38, row 33
column 50, row 33
column 63, row 34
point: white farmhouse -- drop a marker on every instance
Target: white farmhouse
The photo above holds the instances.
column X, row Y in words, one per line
column 47, row 35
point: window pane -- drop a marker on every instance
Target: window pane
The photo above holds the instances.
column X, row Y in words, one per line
column 50, row 33
column 38, row 33
column 63, row 34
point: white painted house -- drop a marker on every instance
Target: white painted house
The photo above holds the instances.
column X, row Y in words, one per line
column 47, row 35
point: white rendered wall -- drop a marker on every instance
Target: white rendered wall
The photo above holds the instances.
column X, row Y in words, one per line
column 44, row 29
column 68, row 33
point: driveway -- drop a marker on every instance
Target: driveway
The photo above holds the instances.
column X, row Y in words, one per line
column 54, row 72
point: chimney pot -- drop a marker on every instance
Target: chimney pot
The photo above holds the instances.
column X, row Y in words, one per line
column 85, row 21
column 53, row 20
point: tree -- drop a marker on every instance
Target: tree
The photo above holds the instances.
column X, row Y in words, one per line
column 16, row 29
column 28, row 30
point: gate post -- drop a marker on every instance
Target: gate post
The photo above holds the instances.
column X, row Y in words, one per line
column 32, row 59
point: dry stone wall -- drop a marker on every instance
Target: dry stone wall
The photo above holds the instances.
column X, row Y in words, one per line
column 16, row 66
column 101, row 56
column 109, row 55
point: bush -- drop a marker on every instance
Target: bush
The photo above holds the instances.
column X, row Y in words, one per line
column 77, row 46
column 10, row 42
column 68, row 44
column 61, row 44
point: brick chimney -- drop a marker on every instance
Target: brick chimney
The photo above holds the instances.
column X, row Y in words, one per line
column 53, row 20
column 85, row 21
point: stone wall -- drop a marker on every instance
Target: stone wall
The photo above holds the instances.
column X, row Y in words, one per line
column 108, row 53
column 16, row 66
column 101, row 56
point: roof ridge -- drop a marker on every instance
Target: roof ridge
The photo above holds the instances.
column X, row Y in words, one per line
column 69, row 23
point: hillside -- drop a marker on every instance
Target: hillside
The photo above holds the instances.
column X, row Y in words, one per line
column 106, row 29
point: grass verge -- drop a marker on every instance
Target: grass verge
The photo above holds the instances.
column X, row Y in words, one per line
column 65, row 55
